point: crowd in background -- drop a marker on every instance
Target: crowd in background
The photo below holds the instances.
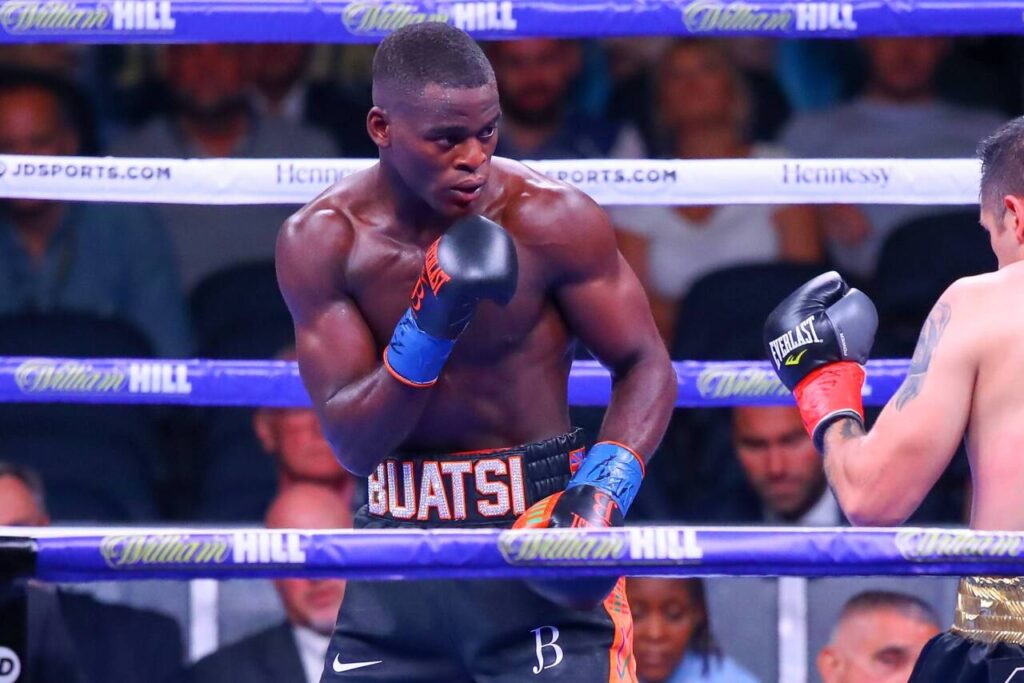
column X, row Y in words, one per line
column 177, row 281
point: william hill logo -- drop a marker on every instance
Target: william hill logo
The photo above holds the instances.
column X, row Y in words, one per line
column 715, row 16
column 33, row 16
column 374, row 18
column 47, row 376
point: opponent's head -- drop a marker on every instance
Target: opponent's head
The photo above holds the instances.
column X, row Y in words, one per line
column 699, row 85
column 435, row 114
column 669, row 617
column 778, row 458
column 22, row 501
column 312, row 603
column 534, row 77
column 902, row 70
column 877, row 639
column 1002, row 191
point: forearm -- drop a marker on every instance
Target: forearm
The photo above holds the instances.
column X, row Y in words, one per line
column 643, row 396
column 856, row 468
column 369, row 419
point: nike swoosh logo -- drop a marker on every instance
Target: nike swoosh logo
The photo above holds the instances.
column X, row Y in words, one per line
column 340, row 668
column 795, row 360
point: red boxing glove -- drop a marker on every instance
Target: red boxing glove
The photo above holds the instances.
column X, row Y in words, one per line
column 829, row 393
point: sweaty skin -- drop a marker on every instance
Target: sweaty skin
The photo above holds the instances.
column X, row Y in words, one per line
column 965, row 377
column 348, row 261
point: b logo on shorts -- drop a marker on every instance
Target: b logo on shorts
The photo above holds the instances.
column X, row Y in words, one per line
column 10, row 665
column 1006, row 670
column 538, row 634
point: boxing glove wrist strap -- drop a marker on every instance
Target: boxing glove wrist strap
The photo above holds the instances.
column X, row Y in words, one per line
column 414, row 357
column 827, row 394
column 614, row 468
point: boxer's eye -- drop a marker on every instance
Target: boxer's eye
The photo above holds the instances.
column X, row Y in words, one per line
column 488, row 132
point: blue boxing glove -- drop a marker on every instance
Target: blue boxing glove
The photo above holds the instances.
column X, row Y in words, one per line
column 598, row 495
column 474, row 260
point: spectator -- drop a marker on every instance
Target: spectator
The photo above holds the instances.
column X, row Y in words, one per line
column 538, row 122
column 293, row 651
column 212, row 119
column 898, row 114
column 877, row 639
column 673, row 641
column 783, row 467
column 113, row 643
column 106, row 259
column 704, row 113
column 280, row 87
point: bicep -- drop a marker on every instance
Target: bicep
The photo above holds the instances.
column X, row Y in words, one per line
column 924, row 422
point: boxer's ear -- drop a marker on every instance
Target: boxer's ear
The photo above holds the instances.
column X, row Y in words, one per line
column 828, row 664
column 378, row 125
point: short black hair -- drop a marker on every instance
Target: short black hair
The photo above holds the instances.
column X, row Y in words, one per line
column 909, row 606
column 1002, row 163
column 432, row 52
column 73, row 104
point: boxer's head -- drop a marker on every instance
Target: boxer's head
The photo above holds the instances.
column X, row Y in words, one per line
column 311, row 603
column 877, row 639
column 669, row 618
column 778, row 458
column 1002, row 191
column 435, row 115
column 21, row 497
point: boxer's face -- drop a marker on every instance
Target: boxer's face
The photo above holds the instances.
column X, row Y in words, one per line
column 664, row 618
column 778, row 458
column 876, row 646
column 294, row 436
column 440, row 142
column 17, row 505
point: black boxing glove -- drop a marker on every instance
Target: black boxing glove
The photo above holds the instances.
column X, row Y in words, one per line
column 818, row 340
column 474, row 260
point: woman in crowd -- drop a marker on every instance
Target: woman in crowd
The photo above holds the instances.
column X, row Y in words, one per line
column 672, row 640
column 703, row 108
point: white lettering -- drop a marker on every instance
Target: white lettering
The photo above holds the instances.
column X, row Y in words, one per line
column 457, row 470
column 541, row 646
column 500, row 505
column 432, row 494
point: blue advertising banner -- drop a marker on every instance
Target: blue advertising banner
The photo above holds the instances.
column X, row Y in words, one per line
column 366, row 21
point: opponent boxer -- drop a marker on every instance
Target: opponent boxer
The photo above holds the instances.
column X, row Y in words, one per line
column 964, row 378
column 454, row 401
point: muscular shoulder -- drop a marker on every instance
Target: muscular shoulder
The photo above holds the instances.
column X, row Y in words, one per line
column 562, row 223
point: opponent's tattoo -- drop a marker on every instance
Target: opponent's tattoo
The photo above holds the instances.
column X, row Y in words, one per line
column 930, row 335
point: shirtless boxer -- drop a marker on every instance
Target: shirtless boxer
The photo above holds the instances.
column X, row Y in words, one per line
column 964, row 378
column 507, row 268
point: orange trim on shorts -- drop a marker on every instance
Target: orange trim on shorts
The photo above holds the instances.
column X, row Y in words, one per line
column 403, row 380
column 621, row 663
column 643, row 465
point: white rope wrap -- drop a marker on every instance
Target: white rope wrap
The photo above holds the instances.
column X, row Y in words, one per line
column 609, row 181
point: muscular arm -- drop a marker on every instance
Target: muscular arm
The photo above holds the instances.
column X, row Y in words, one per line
column 364, row 411
column 881, row 477
column 605, row 306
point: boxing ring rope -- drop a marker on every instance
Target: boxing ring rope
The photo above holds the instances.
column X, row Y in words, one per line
column 355, row 21
column 277, row 383
column 608, row 181
column 103, row 554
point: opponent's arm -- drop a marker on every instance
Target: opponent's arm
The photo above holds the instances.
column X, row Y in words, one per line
column 881, row 477
column 364, row 411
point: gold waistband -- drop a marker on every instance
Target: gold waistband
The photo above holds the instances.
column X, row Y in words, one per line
column 990, row 610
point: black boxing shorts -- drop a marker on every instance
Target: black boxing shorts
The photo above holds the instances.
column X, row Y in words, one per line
column 473, row 631
column 986, row 643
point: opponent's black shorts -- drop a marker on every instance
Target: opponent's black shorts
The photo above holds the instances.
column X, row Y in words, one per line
column 477, row 631
column 986, row 643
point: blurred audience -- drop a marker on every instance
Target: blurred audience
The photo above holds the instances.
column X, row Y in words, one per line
column 672, row 640
column 112, row 260
column 877, row 639
column 294, row 650
column 898, row 114
column 704, row 112
column 782, row 467
column 112, row 643
column 535, row 78
column 280, row 87
column 212, row 118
